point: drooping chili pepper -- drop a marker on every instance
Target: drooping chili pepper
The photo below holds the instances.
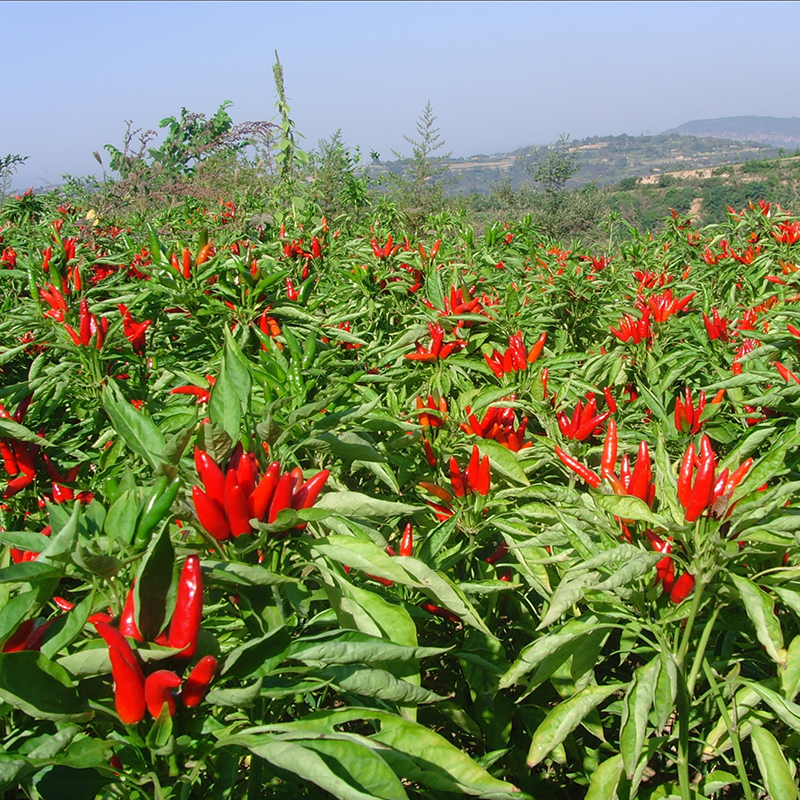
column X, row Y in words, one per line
column 282, row 498
column 682, row 589
column 438, row 611
column 211, row 475
column 128, row 676
column 196, row 685
column 185, row 626
column 158, row 688
column 430, row 456
column 582, row 471
column 306, row 495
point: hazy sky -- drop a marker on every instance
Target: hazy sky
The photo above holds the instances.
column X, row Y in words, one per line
column 499, row 75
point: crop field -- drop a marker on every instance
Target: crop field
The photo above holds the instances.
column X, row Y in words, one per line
column 307, row 503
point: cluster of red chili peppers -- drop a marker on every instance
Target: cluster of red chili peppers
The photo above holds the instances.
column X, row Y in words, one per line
column 439, row 409
column 516, row 357
column 498, row 424
column 133, row 692
column 699, row 489
column 584, row 422
column 437, row 348
column 234, row 497
column 687, row 415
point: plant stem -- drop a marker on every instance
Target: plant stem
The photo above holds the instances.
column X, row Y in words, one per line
column 732, row 732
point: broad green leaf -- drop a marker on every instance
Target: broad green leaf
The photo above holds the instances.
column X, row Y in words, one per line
column 666, row 690
column 443, row 592
column 137, row 430
column 772, row 765
column 28, row 572
column 786, row 710
column 639, row 565
column 122, row 517
column 566, row 595
column 635, row 710
column 377, row 683
column 224, row 405
column 72, row 628
column 564, row 718
column 352, row 647
column 61, row 782
column 257, row 657
column 628, row 507
column 61, row 543
column 15, row 611
column 364, row 556
column 39, row 687
column 503, row 460
column 548, row 652
column 413, row 751
column 13, row 430
column 605, row 779
column 232, row 572
column 760, row 607
column 236, row 698
column 154, row 583
column 790, row 674
column 336, row 763
column 238, row 368
column 355, row 504
column 24, row 540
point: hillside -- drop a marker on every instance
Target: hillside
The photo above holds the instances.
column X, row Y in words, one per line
column 602, row 160
column 773, row 131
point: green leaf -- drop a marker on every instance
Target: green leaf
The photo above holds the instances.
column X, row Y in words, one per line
column 337, row 763
column 224, row 406
column 548, row 652
column 628, row 507
column 378, row 683
column 790, row 674
column 257, row 657
column 39, row 687
column 772, row 764
column 566, row 595
column 635, row 710
column 238, row 368
column 355, row 504
column 503, row 460
column 233, row 573
column 564, row 718
column 13, row 430
column 786, row 710
column 72, row 628
column 137, row 430
column 443, row 592
column 760, row 607
column 351, row 647
column 236, row 698
column 605, row 779
column 122, row 517
column 154, row 582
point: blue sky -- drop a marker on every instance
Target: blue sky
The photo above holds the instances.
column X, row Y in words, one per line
column 499, row 75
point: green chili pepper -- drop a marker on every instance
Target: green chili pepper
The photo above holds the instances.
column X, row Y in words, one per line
column 155, row 512
column 141, row 536
column 309, row 350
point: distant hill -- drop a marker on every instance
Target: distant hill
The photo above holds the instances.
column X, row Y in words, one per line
column 603, row 160
column 774, row 131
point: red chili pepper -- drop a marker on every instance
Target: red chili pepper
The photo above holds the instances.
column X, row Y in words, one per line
column 187, row 263
column 438, row 611
column 442, row 512
column 262, row 494
column 682, row 588
column 128, row 676
column 457, row 480
column 158, row 690
column 484, row 481
column 282, row 498
column 205, row 253
column 685, row 476
column 127, row 620
column 196, row 685
column 211, row 515
column 211, row 475
column 537, row 348
column 608, row 462
column 701, row 493
column 9, row 460
column 592, row 478
column 185, row 626
column 306, row 495
column 407, row 541
column 430, row 456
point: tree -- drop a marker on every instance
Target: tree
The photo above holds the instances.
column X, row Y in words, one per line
column 553, row 168
column 419, row 187
column 339, row 184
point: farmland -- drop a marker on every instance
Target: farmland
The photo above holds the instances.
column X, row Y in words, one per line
column 313, row 491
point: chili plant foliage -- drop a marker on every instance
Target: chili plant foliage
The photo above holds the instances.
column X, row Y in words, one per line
column 317, row 509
